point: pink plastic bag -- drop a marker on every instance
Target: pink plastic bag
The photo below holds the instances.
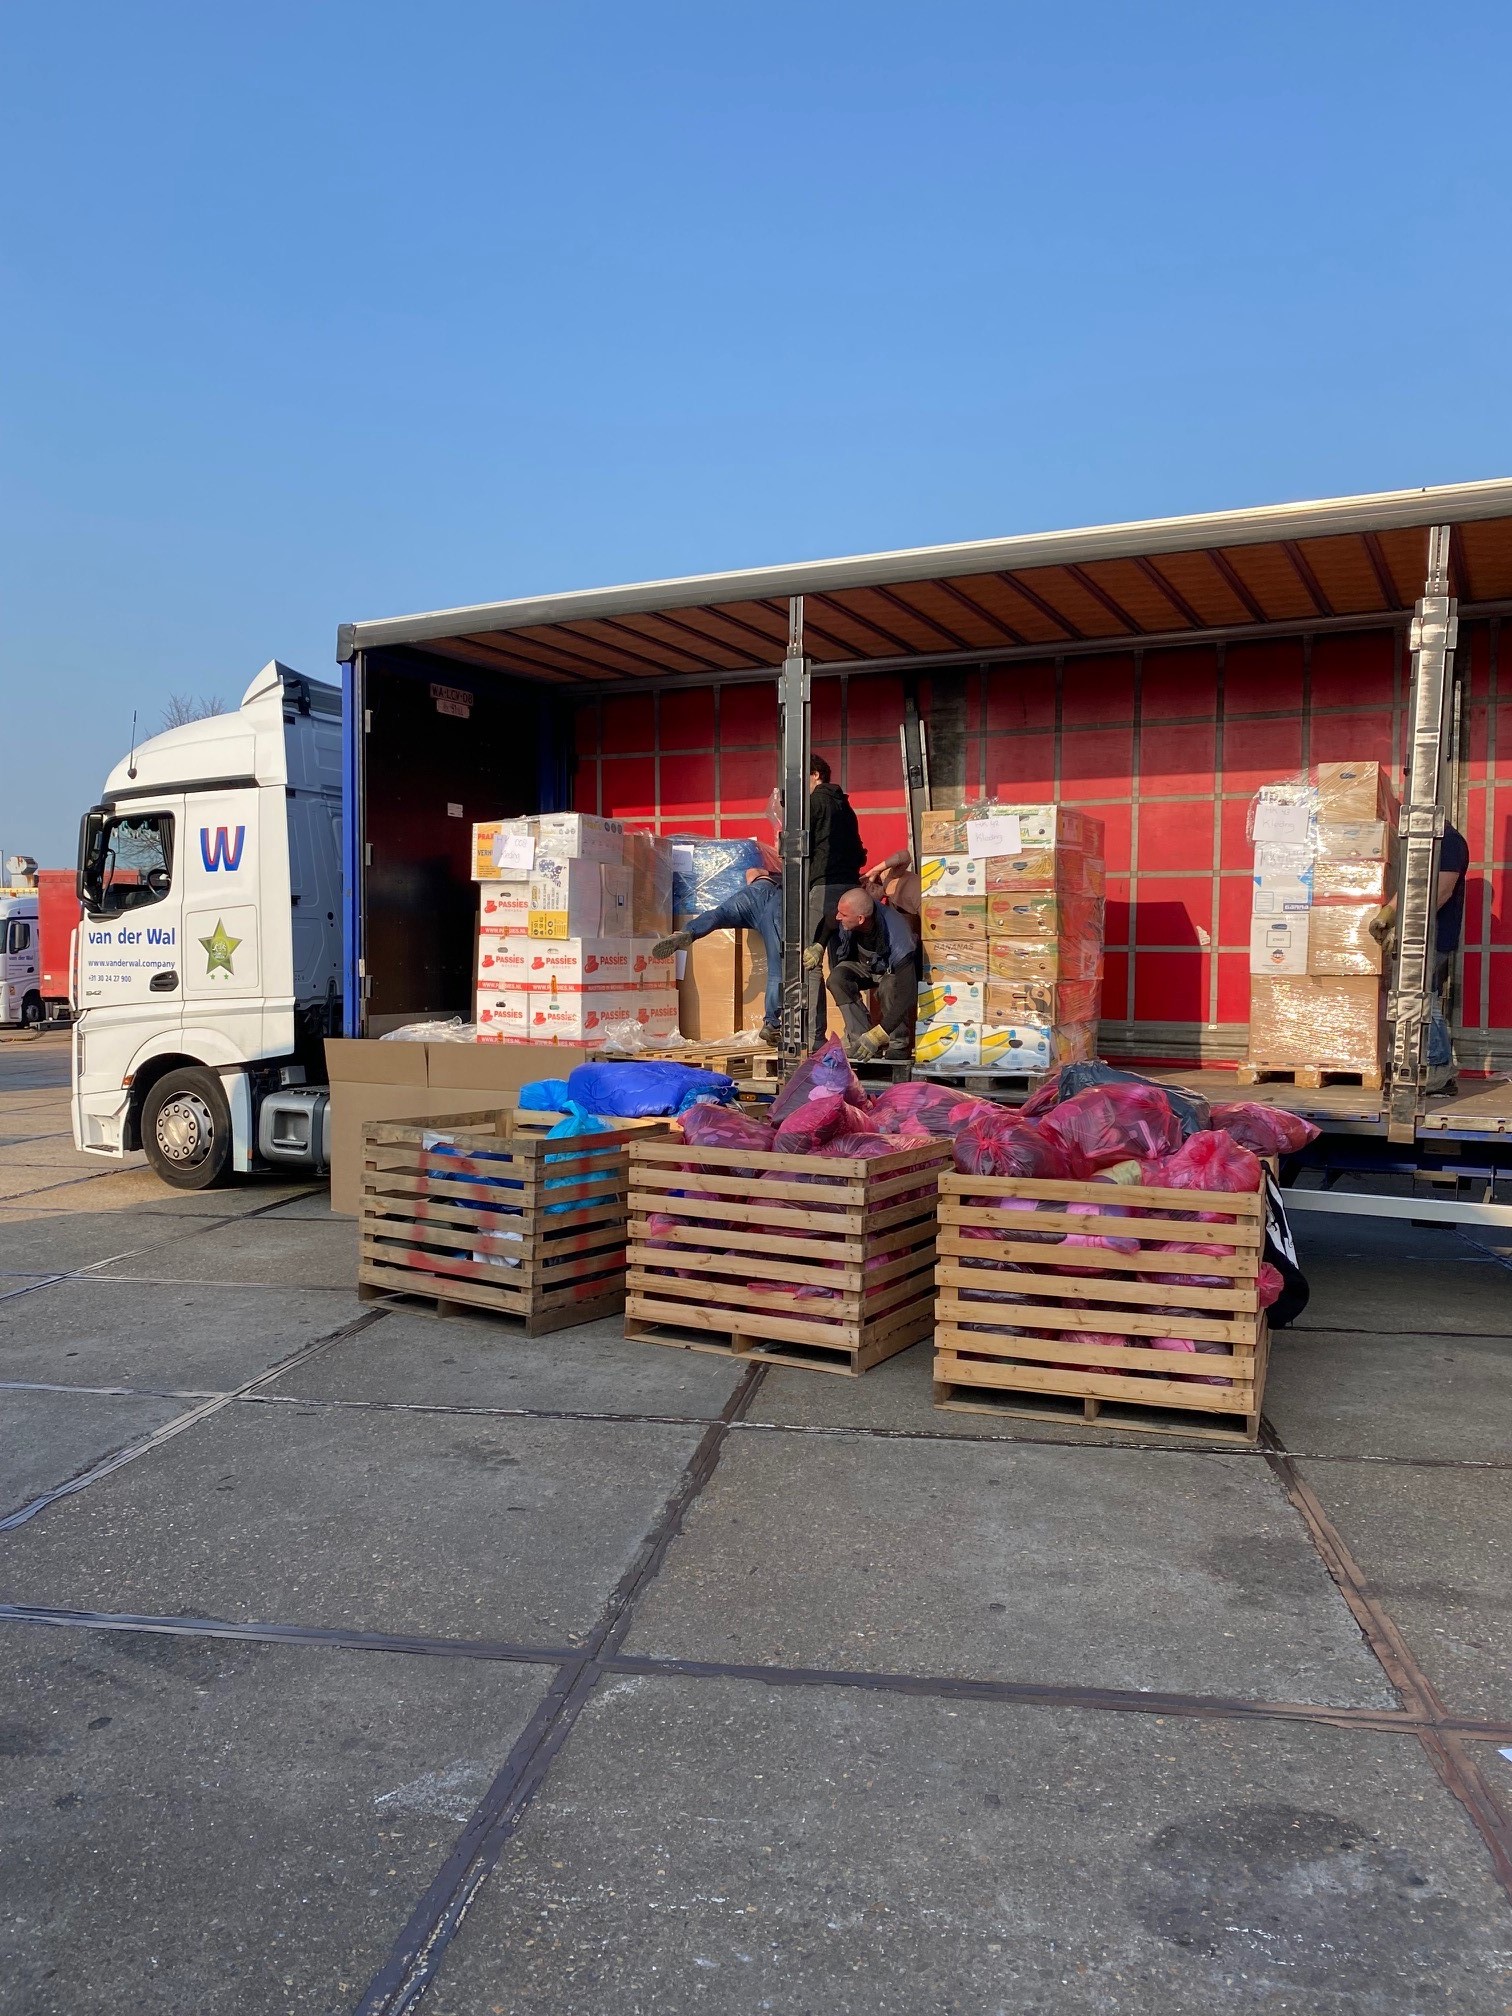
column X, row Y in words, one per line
column 828, row 1070
column 1208, row 1161
column 1265, row 1130
column 1111, row 1123
column 708, row 1126
column 927, row 1109
column 867, row 1146
column 813, row 1121
column 1002, row 1144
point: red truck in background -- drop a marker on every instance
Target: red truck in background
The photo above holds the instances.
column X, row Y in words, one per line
column 36, row 948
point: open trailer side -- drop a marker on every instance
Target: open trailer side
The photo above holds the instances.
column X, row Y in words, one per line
column 1155, row 674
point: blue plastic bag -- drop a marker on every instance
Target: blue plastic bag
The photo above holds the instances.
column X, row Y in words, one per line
column 706, row 872
column 637, row 1091
column 575, row 1121
column 544, row 1095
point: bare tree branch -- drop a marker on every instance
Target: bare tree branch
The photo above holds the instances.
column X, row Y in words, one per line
column 183, row 708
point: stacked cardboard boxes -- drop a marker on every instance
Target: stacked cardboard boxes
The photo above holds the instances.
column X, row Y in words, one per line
column 1013, row 933
column 569, row 907
column 1322, row 870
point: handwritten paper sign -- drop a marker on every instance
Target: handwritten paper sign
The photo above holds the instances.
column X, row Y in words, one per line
column 998, row 834
column 515, row 853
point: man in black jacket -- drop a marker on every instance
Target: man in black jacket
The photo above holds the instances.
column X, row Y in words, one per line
column 836, row 857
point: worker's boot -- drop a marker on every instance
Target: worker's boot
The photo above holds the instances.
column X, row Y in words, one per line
column 899, row 1047
column 680, row 941
column 865, row 1049
column 770, row 1036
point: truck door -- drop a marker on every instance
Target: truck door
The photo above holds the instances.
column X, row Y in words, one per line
column 20, row 1000
column 130, row 968
column 222, row 934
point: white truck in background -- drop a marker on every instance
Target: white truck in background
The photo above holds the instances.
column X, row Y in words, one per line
column 207, row 965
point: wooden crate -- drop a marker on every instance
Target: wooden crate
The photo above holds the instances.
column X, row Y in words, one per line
column 1016, row 1357
column 425, row 1226
column 862, row 1229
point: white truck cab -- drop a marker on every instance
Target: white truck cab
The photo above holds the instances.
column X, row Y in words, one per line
column 20, row 961
column 208, row 956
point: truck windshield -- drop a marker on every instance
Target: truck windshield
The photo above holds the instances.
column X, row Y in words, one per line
column 124, row 862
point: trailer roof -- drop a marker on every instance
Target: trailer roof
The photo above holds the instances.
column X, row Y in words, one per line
column 1161, row 579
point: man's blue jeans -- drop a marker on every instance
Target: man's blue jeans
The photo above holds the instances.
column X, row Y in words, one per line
column 758, row 908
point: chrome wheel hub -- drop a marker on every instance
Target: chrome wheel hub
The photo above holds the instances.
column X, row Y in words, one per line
column 185, row 1129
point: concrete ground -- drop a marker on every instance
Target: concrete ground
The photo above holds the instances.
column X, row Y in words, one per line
column 355, row 1661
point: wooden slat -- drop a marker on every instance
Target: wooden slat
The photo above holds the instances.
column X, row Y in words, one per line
column 741, row 1184
column 1121, row 1322
column 1151, row 1392
column 1243, row 1203
column 953, row 1239
column 1059, row 1288
column 1236, row 1363
column 1105, row 1225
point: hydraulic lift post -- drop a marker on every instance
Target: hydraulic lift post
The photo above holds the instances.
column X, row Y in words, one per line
column 793, row 693
column 1434, row 632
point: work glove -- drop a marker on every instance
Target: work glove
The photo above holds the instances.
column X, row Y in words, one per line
column 1380, row 926
column 813, row 956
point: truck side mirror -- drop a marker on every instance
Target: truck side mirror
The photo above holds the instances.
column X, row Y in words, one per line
column 159, row 881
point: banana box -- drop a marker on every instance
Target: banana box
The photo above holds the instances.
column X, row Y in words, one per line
column 949, row 1046
column 943, row 832
column 946, row 1000
column 952, row 875
column 958, row 958
column 955, row 917
column 1024, row 1046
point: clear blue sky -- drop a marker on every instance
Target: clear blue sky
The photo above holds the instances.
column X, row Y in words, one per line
column 331, row 310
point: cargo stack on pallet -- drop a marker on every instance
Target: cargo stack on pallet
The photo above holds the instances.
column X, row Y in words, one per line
column 819, row 1262
column 1028, row 1324
column 1322, row 870
column 569, row 907
column 483, row 1213
column 1013, row 936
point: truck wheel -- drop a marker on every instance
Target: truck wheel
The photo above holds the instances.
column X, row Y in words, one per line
column 186, row 1130
column 33, row 1014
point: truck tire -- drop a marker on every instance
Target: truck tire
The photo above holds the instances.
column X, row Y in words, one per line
column 33, row 1014
column 186, row 1130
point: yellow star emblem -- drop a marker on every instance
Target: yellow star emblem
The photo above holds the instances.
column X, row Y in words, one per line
column 218, row 949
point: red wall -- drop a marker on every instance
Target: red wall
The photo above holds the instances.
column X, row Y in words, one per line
column 1167, row 753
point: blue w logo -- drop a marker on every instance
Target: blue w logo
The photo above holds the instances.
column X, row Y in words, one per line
column 221, row 852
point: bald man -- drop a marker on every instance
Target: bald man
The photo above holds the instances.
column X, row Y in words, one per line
column 872, row 948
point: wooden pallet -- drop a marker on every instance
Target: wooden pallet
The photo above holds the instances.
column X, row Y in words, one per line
column 430, row 1223
column 1307, row 1077
column 708, row 1223
column 1013, row 1300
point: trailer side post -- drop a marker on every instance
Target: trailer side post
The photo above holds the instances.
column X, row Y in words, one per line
column 915, row 767
column 353, row 747
column 794, row 698
column 1434, row 632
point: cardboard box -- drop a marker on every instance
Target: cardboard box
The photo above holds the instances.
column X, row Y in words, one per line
column 1326, row 1024
column 1278, row 944
column 649, row 860
column 955, row 917
column 1339, row 940
column 952, row 875
column 1352, row 791
column 509, row 960
column 1353, row 840
column 949, row 1046
column 1021, row 959
column 753, row 975
column 504, row 906
column 580, row 836
column 579, row 899
column 949, row 1001
column 585, row 1016
column 488, row 836
column 709, row 990
column 1041, row 1001
column 958, row 958
column 1034, row 913
column 370, row 1080
column 1351, row 882
column 1020, row 1047
column 943, row 832
column 1035, row 868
